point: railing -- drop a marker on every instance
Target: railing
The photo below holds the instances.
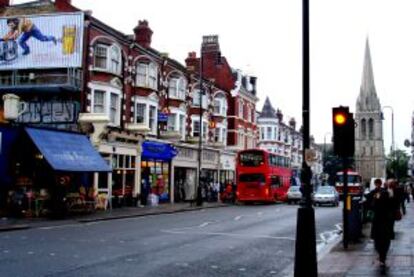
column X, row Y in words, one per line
column 72, row 77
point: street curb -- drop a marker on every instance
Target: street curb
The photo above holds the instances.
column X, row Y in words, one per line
column 115, row 217
column 14, row 227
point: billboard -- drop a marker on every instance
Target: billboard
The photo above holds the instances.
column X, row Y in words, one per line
column 41, row 41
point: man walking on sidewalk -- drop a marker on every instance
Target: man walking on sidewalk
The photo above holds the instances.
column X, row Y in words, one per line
column 382, row 222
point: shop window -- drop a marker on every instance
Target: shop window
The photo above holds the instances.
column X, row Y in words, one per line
column 147, row 75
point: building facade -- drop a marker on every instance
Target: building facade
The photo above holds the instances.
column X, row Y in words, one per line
column 369, row 142
column 139, row 107
column 283, row 139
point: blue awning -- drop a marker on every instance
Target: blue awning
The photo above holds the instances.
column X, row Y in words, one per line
column 153, row 150
column 68, row 151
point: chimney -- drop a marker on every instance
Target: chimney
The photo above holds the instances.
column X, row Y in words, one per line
column 64, row 5
column 279, row 115
column 192, row 62
column 292, row 123
column 4, row 3
column 210, row 48
column 143, row 34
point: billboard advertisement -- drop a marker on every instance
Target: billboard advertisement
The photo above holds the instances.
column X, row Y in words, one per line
column 41, row 41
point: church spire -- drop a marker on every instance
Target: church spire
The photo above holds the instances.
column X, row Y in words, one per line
column 367, row 83
column 368, row 99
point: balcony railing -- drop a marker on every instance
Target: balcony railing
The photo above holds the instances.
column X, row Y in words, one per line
column 71, row 78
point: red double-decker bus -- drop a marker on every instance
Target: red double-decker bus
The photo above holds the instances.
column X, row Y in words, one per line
column 262, row 176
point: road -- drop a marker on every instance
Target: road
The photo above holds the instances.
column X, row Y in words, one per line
column 254, row 240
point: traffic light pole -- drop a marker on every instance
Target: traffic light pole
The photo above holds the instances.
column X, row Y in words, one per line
column 305, row 251
column 346, row 204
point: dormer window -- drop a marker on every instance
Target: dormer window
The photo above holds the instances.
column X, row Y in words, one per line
column 177, row 87
column 147, row 75
column 108, row 58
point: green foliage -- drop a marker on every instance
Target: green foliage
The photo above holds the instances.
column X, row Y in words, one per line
column 397, row 164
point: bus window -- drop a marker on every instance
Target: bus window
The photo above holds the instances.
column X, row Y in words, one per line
column 252, row 178
column 275, row 181
column 251, row 158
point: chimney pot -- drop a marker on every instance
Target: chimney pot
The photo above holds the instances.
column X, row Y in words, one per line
column 143, row 34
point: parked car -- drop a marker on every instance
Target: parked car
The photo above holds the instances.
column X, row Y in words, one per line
column 326, row 195
column 294, row 194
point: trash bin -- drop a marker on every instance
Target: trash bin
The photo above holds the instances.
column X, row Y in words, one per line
column 355, row 219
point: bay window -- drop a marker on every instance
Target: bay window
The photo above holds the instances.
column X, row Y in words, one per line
column 108, row 58
column 146, row 112
column 220, row 105
column 196, row 99
column 106, row 100
column 147, row 75
column 196, row 128
column 177, row 87
column 176, row 122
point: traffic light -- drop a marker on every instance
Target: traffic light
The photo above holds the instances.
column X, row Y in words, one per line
column 343, row 132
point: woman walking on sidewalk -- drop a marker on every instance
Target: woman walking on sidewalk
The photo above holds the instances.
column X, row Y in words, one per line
column 382, row 222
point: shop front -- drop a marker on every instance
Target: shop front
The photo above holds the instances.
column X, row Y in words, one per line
column 227, row 168
column 184, row 173
column 49, row 172
column 155, row 170
column 210, row 173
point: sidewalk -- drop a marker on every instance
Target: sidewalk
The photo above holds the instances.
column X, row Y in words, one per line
column 361, row 259
column 12, row 224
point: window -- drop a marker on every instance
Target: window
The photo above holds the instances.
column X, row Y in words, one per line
column 217, row 134
column 241, row 111
column 196, row 99
column 371, row 128
column 171, row 124
column 196, row 128
column 269, row 133
column 262, row 133
column 152, row 118
column 217, row 106
column 146, row 112
column 106, row 100
column 274, row 132
column 100, row 56
column 114, row 108
column 99, row 101
column 140, row 112
column 177, row 87
column 249, row 115
column 220, row 104
column 181, row 126
column 108, row 58
column 147, row 75
column 363, row 128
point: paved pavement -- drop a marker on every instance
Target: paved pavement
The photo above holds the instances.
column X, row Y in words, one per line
column 12, row 224
column 247, row 240
column 361, row 259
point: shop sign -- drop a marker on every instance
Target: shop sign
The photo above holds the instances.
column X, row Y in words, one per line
column 41, row 41
column 162, row 117
column 50, row 112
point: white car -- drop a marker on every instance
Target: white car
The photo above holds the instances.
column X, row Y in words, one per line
column 294, row 194
column 326, row 195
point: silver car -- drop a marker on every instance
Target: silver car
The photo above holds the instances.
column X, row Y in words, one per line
column 326, row 195
column 293, row 194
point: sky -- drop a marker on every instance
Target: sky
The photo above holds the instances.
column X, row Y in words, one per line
column 264, row 38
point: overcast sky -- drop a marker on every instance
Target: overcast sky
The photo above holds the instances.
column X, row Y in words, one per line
column 264, row 38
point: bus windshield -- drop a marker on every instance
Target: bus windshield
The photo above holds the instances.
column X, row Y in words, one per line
column 251, row 158
column 351, row 178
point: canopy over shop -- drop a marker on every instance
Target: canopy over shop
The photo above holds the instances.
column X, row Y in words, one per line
column 45, row 167
column 155, row 170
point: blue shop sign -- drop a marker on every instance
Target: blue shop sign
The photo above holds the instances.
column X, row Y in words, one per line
column 153, row 150
column 162, row 117
column 8, row 136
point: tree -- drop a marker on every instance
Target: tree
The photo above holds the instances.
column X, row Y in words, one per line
column 397, row 164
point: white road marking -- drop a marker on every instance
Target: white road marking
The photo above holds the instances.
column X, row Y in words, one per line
column 260, row 213
column 30, row 253
column 182, row 264
column 205, row 224
column 214, row 267
column 52, row 254
column 227, row 235
column 238, row 217
column 273, row 272
column 6, row 251
column 129, row 260
column 338, row 226
column 242, row 269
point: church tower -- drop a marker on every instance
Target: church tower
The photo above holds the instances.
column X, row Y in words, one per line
column 369, row 142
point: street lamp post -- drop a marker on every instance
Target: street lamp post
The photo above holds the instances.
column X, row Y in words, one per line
column 305, row 251
column 199, row 200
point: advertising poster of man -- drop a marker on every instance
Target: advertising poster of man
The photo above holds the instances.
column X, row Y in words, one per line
column 41, row 41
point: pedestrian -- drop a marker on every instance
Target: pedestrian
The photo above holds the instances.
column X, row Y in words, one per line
column 399, row 196
column 412, row 190
column 382, row 222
